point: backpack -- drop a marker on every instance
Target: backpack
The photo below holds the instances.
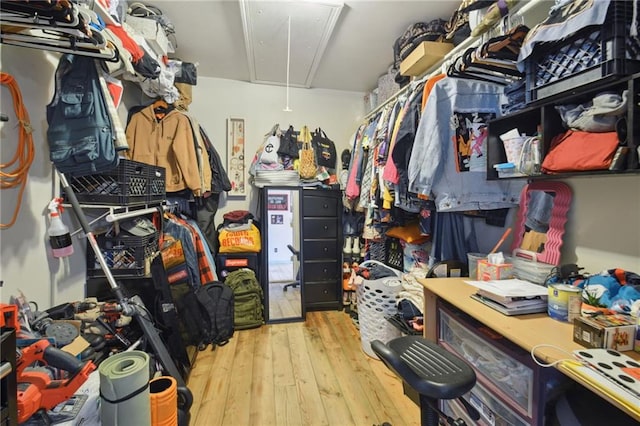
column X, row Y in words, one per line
column 207, row 314
column 80, row 132
column 247, row 293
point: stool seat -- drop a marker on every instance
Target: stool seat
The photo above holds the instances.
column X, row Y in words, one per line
column 429, row 369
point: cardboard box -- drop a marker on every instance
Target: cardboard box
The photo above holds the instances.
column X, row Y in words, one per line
column 605, row 331
column 423, row 57
column 489, row 271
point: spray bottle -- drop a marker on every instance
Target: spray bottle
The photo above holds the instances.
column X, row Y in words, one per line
column 59, row 236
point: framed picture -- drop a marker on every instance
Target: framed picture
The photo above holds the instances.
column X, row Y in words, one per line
column 236, row 156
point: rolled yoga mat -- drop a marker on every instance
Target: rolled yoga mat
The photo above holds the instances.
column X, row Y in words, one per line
column 163, row 392
column 124, row 389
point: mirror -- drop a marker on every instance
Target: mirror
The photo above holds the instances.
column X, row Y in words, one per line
column 281, row 248
column 540, row 222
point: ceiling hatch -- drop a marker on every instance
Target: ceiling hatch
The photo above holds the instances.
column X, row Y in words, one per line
column 266, row 34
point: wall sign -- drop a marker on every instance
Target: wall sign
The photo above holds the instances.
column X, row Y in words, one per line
column 278, row 202
column 235, row 156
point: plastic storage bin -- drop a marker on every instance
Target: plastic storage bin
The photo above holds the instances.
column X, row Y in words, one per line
column 125, row 255
column 593, row 53
column 492, row 410
column 128, row 184
column 507, row 376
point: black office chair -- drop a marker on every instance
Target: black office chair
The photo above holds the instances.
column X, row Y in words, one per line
column 432, row 371
column 296, row 283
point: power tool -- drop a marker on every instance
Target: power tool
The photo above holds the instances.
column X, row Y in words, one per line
column 37, row 391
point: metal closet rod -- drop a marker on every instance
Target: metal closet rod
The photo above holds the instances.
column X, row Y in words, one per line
column 113, row 217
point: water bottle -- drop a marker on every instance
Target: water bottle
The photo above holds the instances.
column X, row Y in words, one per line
column 59, row 236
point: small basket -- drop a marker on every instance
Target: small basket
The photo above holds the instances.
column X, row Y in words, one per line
column 377, row 300
column 526, row 267
column 125, row 255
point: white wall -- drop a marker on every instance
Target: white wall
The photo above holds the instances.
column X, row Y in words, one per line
column 215, row 100
column 25, row 260
column 603, row 230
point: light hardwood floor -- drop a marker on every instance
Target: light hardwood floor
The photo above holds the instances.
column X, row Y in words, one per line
column 303, row 373
column 284, row 304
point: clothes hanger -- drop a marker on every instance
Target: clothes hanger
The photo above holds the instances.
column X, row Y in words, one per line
column 34, row 12
column 111, row 54
column 69, row 38
column 161, row 108
column 464, row 67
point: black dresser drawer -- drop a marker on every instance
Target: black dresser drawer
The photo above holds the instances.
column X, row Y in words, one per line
column 315, row 228
column 321, row 249
column 320, row 206
column 320, row 292
column 322, row 271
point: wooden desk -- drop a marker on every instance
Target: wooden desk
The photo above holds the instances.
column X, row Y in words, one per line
column 527, row 331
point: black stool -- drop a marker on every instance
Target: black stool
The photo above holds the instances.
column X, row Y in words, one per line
column 430, row 370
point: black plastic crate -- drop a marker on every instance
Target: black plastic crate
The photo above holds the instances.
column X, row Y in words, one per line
column 593, row 54
column 394, row 254
column 130, row 183
column 125, row 255
column 157, row 185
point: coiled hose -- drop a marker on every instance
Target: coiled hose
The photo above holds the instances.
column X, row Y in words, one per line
column 16, row 171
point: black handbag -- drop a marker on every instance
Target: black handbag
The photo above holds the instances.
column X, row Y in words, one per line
column 325, row 149
column 289, row 145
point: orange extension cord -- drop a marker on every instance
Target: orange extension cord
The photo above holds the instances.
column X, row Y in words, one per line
column 21, row 161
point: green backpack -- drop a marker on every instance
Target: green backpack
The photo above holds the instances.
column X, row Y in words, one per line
column 247, row 293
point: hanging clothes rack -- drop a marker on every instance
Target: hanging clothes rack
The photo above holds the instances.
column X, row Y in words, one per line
column 520, row 9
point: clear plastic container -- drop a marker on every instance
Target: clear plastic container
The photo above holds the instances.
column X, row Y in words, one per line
column 473, row 259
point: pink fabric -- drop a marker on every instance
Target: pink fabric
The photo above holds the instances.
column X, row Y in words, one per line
column 390, row 173
column 353, row 189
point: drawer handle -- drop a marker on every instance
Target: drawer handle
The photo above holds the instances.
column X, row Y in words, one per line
column 326, row 227
column 325, row 291
column 326, row 206
column 325, row 270
column 326, row 249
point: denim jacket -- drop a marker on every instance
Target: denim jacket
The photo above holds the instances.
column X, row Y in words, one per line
column 448, row 160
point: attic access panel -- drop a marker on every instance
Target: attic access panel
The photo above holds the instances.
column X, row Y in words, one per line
column 265, row 27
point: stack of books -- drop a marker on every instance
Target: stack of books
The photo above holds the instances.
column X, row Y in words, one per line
column 511, row 297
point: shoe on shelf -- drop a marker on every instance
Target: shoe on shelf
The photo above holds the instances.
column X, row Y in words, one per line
column 356, row 245
column 347, row 245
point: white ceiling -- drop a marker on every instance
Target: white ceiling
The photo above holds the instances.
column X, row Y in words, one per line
column 357, row 53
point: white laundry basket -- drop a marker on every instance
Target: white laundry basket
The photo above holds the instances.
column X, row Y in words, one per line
column 376, row 301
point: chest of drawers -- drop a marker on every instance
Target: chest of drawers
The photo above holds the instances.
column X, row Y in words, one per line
column 321, row 234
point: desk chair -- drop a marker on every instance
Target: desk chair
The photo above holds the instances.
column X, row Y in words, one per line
column 296, row 283
column 432, row 371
